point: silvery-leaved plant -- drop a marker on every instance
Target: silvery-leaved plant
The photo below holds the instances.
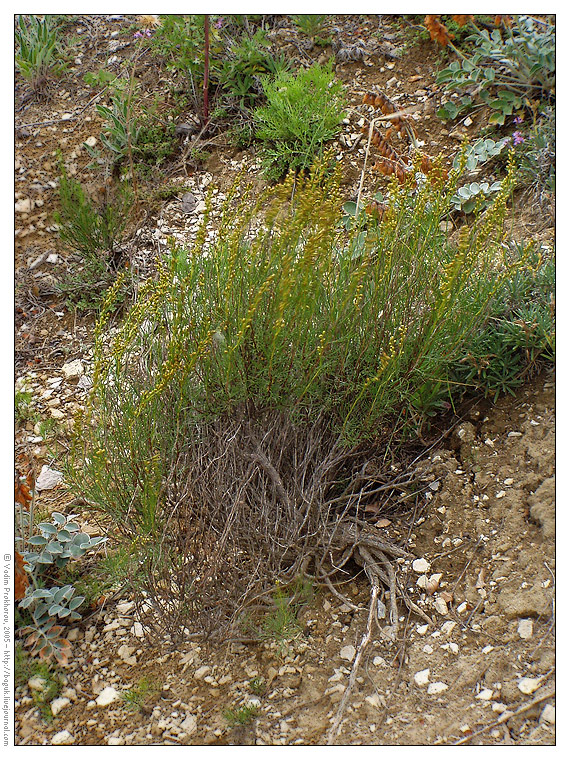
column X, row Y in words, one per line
column 56, row 544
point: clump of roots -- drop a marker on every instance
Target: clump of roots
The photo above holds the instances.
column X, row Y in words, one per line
column 266, row 498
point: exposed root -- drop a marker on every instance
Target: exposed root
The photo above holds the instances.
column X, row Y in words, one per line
column 259, row 500
column 334, row 730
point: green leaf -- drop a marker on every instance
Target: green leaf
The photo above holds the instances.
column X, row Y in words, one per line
column 45, row 558
column 497, row 118
column 54, row 547
column 59, row 518
column 469, row 206
column 47, row 528
column 38, row 540
column 64, row 535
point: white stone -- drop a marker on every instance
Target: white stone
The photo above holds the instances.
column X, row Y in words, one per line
column 421, row 565
column 428, row 649
column 137, row 630
column 189, row 725
column 422, row 677
column 48, row 478
column 548, row 714
column 37, row 683
column 422, row 629
column 374, row 700
column 24, row 206
column 91, row 141
column 107, row 696
column 529, row 685
column 115, row 741
column 348, row 653
column 73, row 369
column 448, row 626
column 525, row 629
column 201, row 672
column 440, row 606
column 379, row 661
column 437, row 688
column 422, row 582
column 253, row 702
column 485, row 695
column 125, row 653
column 58, row 704
column 124, row 607
column 62, row 737
column 498, row 707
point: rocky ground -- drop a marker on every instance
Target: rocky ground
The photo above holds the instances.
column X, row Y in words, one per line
column 481, row 672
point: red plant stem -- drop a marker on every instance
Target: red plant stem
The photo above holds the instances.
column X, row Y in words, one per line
column 206, row 66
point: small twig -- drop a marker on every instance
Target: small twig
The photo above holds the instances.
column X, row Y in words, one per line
column 335, row 728
column 505, row 717
column 57, row 121
column 370, row 133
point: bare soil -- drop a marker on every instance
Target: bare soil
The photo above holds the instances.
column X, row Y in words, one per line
column 482, row 671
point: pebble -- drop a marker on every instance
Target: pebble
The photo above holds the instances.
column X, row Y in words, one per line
column 525, row 628
column 440, row 606
column 24, row 206
column 548, row 715
column 58, row 704
column 107, row 696
column 374, row 700
column 48, row 478
column 420, row 565
column 437, row 688
column 125, row 653
column 62, row 737
column 137, row 630
column 37, row 683
column 115, row 741
column 485, row 695
column 529, row 685
column 422, row 677
column 348, row 653
column 201, row 672
column 189, row 725
column 73, row 369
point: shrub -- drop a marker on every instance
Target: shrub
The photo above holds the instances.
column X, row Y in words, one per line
column 508, row 68
column 303, row 111
column 518, row 338
column 94, row 231
column 248, row 60
column 314, row 25
column 233, row 412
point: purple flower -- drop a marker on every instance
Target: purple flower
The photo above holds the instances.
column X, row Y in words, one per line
column 144, row 33
column 517, row 138
column 518, row 120
column 219, row 23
